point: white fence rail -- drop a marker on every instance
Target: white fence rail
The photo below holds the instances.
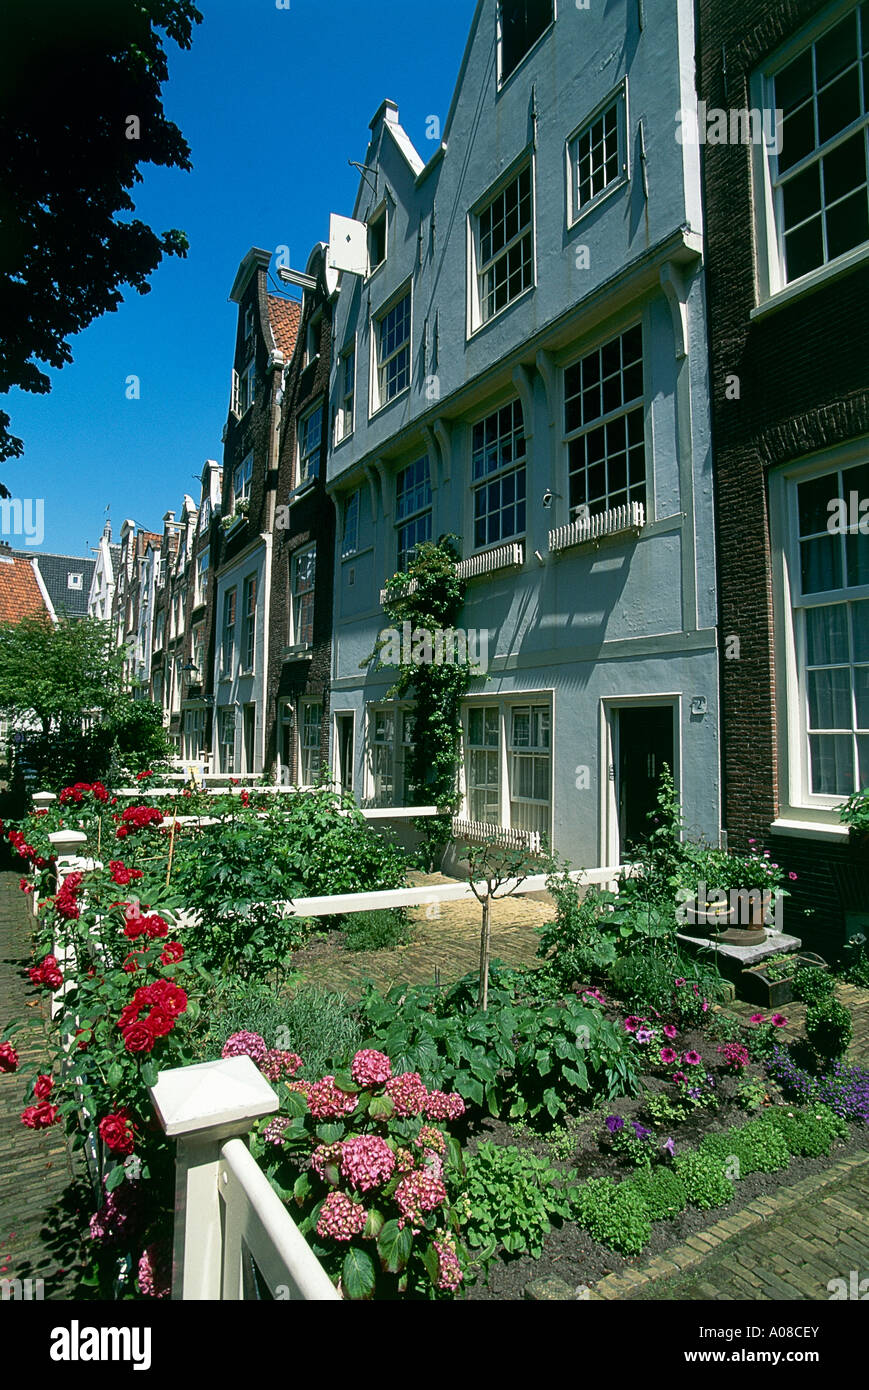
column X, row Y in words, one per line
column 480, row 832
column 631, row 516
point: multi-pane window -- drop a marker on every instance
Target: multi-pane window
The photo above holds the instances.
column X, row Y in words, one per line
column 249, row 323
column 408, row 742
column 241, row 479
column 505, row 246
column 310, row 441
column 413, row 509
column 205, row 515
column 247, row 388
column 227, row 644
column 830, row 597
column 347, row 394
column 393, row 351
column 520, row 24
column 309, row 743
column 303, row 568
column 200, row 590
column 604, row 425
column 498, row 476
column 598, row 154
column 483, row 764
column 194, row 733
column 820, row 183
column 226, row 740
column 197, row 654
column 382, row 731
column 529, row 767
column 350, row 539
column 248, row 627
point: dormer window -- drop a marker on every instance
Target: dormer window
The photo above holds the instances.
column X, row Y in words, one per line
column 520, row 25
column 74, row 581
column 249, row 323
column 377, row 239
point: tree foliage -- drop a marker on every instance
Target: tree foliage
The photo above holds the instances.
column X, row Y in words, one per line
column 58, row 674
column 81, row 110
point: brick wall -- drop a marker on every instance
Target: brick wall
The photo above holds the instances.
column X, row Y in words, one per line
column 803, row 386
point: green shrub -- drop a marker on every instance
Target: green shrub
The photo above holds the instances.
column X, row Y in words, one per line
column 751, row 1093
column 614, row 1214
column 756, row 1147
column 828, row 1029
column 662, row 1191
column 575, row 942
column 381, row 930
column 513, row 1195
column 704, row 1179
column 810, row 1132
column 811, row 984
column 647, row 982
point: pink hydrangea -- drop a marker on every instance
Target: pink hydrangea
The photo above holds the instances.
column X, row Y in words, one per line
column 418, row 1193
column 431, row 1138
column 449, row 1269
column 440, row 1106
column 277, row 1064
column 408, row 1093
column 367, row 1161
column 275, row 1129
column 246, row 1045
column 341, row 1218
column 370, row 1068
column 327, row 1102
column 327, row 1155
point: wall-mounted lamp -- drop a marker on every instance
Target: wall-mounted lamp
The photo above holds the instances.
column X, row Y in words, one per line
column 547, row 498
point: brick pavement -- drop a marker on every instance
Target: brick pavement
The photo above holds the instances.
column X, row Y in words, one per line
column 37, row 1235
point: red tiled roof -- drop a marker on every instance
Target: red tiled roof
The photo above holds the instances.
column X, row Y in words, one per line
column 284, row 318
column 20, row 595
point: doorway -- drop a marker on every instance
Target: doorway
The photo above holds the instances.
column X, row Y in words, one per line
column 644, row 744
column 249, row 732
column 345, row 750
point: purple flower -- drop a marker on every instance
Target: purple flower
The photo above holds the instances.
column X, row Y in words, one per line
column 792, row 878
column 692, row 1059
column 670, row 1031
column 640, row 1131
column 632, row 1023
column 694, row 1092
column 669, row 1147
column 778, row 1021
column 614, row 1123
column 668, row 1056
column 643, row 1035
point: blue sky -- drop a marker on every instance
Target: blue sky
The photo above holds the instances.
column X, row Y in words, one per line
column 273, row 103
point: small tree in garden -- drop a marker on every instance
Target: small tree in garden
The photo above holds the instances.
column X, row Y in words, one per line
column 493, row 872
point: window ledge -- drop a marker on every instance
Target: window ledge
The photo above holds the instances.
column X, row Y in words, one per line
column 617, row 521
column 299, row 651
column 301, row 491
column 814, row 280
column 386, row 404
column 811, row 830
column 596, row 202
column 481, row 327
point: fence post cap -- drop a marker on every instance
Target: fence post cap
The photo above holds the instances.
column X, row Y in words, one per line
column 44, row 798
column 67, row 840
column 212, row 1098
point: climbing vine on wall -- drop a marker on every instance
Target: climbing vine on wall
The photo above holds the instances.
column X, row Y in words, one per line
column 422, row 604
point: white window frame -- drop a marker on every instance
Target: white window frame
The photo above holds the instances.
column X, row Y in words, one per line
column 569, row 436
column 501, row 79
column 243, row 472
column 426, row 510
column 797, row 801
column 307, row 750
column 378, row 214
column 193, row 734
column 200, row 583
column 476, row 268
column 227, row 632
column 398, row 719
column 225, row 748
column 497, row 475
column 378, row 399
column 197, row 649
column 506, row 705
column 771, row 284
column 352, row 506
column 248, row 622
column 297, row 639
column 618, row 97
column 308, row 458
column 247, row 388
column 345, row 419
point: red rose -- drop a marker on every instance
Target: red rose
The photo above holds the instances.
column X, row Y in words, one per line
column 160, row 1022
column 129, row 1015
column 116, row 1132
column 131, row 962
column 138, row 1038
column 40, row 1116
column 174, row 1000
column 173, row 952
column 156, row 927
column 8, row 1057
column 84, row 1037
column 43, row 1087
column 133, row 927
column 122, row 832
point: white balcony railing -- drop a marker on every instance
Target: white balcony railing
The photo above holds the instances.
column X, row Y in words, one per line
column 480, row 832
column 501, row 557
column 631, row 516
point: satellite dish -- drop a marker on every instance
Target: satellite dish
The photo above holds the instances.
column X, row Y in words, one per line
column 348, row 246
